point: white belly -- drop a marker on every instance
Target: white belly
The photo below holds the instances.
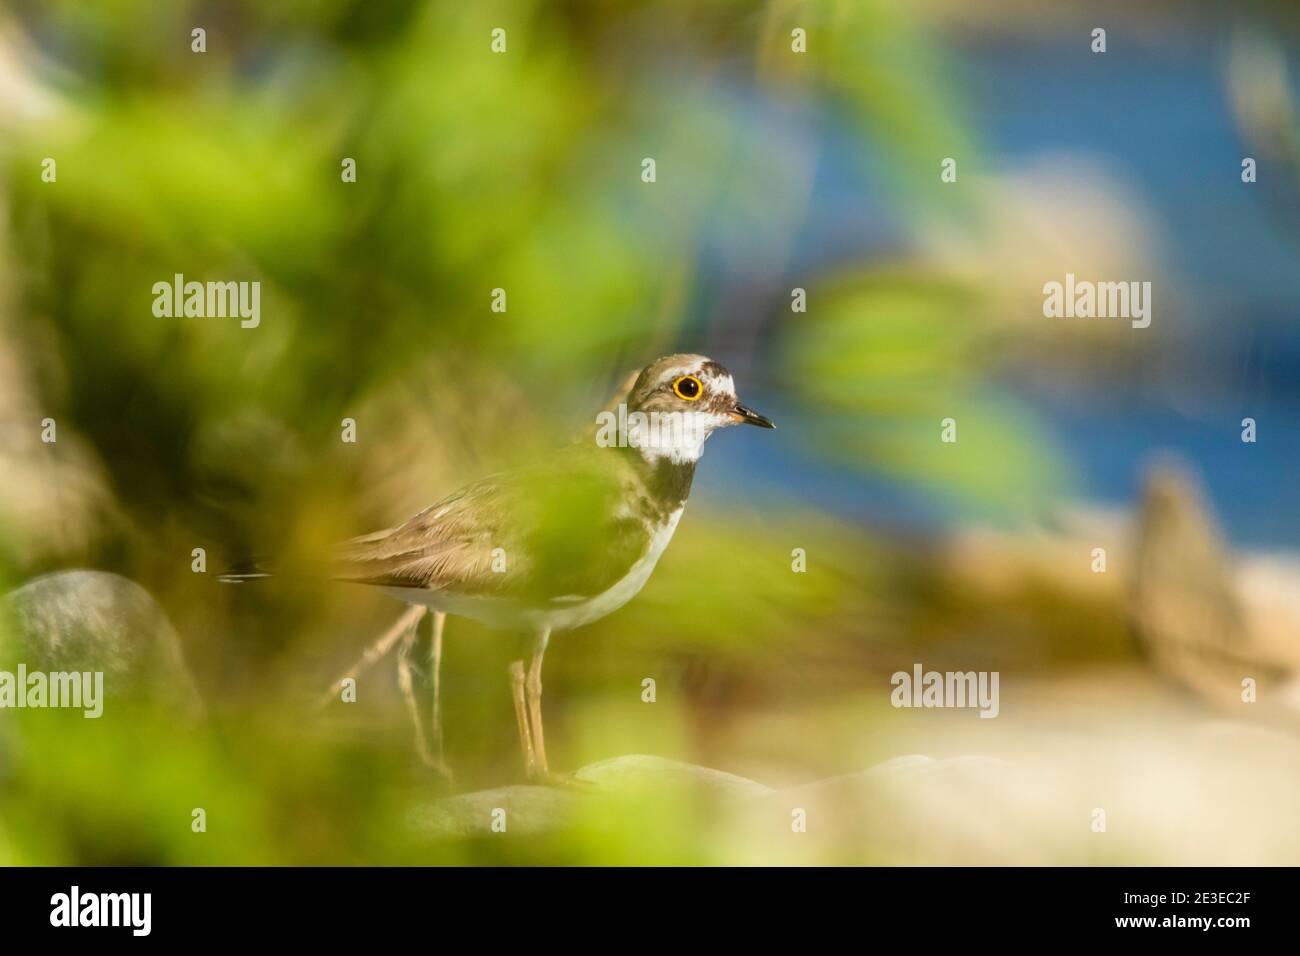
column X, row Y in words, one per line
column 564, row 613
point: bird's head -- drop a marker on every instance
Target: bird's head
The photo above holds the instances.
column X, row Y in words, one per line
column 678, row 401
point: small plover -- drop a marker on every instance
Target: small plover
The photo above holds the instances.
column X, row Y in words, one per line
column 555, row 546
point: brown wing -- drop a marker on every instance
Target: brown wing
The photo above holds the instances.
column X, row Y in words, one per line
column 536, row 534
column 448, row 545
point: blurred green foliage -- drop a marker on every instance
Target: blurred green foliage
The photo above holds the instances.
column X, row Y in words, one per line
column 474, row 172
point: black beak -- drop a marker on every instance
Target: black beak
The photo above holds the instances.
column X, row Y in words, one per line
column 747, row 416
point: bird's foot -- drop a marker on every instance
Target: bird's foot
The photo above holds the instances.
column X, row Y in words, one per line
column 437, row 765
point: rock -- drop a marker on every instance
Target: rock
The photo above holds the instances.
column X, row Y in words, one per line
column 1207, row 617
column 528, row 810
column 641, row 771
column 1039, row 809
column 898, row 774
column 914, row 808
column 908, row 807
column 532, row 810
column 96, row 621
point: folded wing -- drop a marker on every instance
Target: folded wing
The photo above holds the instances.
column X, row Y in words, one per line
column 536, row 535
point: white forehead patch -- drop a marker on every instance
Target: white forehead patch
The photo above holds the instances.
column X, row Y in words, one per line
column 722, row 383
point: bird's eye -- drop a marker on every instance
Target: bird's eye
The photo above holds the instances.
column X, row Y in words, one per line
column 688, row 387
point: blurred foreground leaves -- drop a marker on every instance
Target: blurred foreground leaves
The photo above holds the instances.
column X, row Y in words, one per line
column 474, row 172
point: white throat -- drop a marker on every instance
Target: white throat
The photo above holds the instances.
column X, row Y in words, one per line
column 678, row 437
column 678, row 454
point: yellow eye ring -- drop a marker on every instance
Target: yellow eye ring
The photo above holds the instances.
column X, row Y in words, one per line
column 688, row 388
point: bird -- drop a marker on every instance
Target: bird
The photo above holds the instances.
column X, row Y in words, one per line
column 554, row 545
